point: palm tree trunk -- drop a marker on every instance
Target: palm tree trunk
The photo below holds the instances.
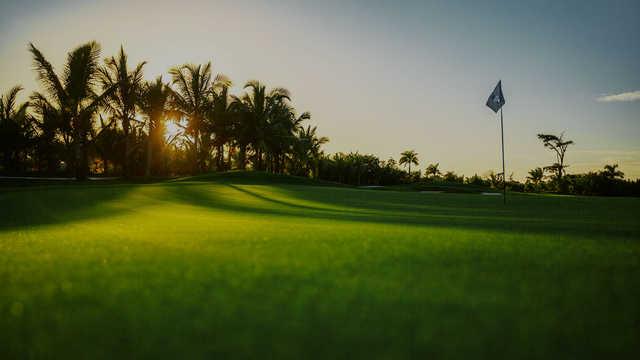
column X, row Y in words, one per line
column 196, row 148
column 125, row 161
column 147, row 171
column 77, row 150
column 243, row 157
column 220, row 158
column 229, row 154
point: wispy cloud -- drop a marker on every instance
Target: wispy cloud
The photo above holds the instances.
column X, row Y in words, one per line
column 625, row 96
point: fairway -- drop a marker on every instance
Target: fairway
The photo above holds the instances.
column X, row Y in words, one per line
column 260, row 266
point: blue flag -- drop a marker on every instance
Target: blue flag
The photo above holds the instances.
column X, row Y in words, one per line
column 496, row 99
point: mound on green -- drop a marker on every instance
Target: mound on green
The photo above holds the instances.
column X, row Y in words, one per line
column 233, row 267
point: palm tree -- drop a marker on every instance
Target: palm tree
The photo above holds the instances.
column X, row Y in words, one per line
column 257, row 107
column 432, row 170
column 536, row 175
column 122, row 102
column 283, row 129
column 192, row 99
column 108, row 142
column 222, row 118
column 72, row 94
column 308, row 150
column 409, row 157
column 46, row 120
column 611, row 172
column 155, row 106
column 15, row 129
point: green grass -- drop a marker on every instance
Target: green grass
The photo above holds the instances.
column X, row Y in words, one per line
column 257, row 266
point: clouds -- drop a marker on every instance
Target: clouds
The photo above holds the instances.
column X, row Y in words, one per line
column 622, row 97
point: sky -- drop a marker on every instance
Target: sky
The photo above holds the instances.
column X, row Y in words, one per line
column 381, row 77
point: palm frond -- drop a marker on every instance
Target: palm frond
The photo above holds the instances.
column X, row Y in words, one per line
column 81, row 71
column 47, row 76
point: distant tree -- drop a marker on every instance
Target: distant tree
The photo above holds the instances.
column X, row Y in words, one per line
column 432, row 170
column 495, row 179
column 16, row 131
column 192, row 99
column 283, row 132
column 391, row 163
column 476, row 180
column 222, row 121
column 308, row 151
column 72, row 95
column 122, row 102
column 559, row 146
column 108, row 142
column 536, row 175
column 49, row 147
column 611, row 172
column 155, row 106
column 263, row 115
column 451, row 176
column 409, row 157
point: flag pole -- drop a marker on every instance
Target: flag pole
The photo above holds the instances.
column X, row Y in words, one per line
column 504, row 173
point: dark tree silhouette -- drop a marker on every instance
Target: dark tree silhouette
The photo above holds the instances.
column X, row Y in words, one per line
column 611, row 172
column 154, row 104
column 432, row 170
column 536, row 175
column 72, row 95
column 16, row 132
column 122, row 102
column 559, row 146
column 409, row 157
column 192, row 99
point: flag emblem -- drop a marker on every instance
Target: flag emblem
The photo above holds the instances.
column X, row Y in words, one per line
column 496, row 99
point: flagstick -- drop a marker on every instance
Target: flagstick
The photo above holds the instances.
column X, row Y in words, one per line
column 504, row 174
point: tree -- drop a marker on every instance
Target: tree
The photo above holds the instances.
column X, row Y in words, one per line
column 108, row 143
column 307, row 151
column 559, row 146
column 61, row 130
column 451, row 176
column 16, row 131
column 611, row 172
column 222, row 122
column 432, row 170
column 409, row 157
column 257, row 107
column 192, row 99
column 536, row 175
column 122, row 102
column 72, row 94
column 155, row 106
column 495, row 179
column 49, row 148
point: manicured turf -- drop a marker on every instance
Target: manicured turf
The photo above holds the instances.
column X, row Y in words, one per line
column 244, row 266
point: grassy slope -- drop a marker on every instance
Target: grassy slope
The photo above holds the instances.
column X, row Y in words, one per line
column 247, row 266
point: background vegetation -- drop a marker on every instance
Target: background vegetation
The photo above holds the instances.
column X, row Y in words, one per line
column 101, row 118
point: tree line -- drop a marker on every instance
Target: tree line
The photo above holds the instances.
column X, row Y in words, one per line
column 366, row 170
column 101, row 117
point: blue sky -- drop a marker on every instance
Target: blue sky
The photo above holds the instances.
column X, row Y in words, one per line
column 384, row 76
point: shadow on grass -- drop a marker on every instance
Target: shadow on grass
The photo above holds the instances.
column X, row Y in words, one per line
column 555, row 216
column 524, row 214
column 62, row 204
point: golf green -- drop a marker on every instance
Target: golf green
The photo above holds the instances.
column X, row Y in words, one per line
column 262, row 267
